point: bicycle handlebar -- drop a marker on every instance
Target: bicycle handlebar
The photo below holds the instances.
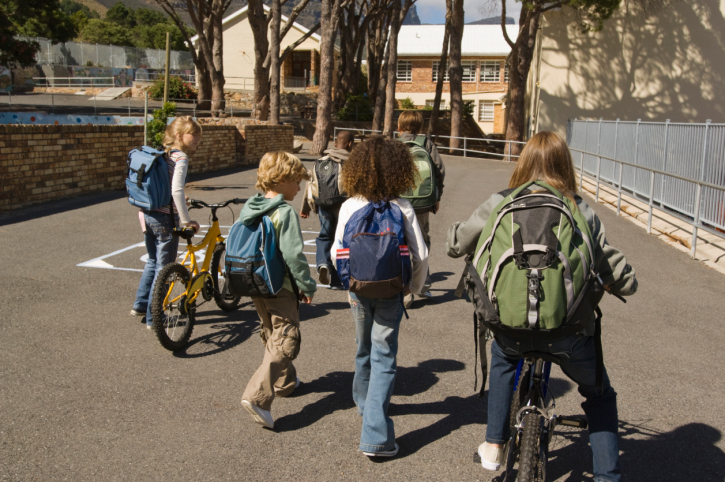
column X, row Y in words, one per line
column 198, row 204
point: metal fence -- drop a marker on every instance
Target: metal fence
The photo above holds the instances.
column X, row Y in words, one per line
column 109, row 56
column 676, row 167
column 74, row 81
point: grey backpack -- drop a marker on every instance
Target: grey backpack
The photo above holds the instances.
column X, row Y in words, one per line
column 329, row 187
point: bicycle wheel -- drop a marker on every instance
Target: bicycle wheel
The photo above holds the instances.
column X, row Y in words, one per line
column 173, row 322
column 223, row 298
column 531, row 462
column 522, row 389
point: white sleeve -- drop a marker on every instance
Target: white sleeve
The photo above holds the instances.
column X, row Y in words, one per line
column 416, row 246
column 181, row 165
column 342, row 218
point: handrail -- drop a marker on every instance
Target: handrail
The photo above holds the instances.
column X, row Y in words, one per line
column 694, row 222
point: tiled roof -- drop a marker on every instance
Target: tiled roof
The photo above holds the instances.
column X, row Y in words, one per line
column 477, row 39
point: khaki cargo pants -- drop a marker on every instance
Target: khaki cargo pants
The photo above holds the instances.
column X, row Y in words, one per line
column 280, row 331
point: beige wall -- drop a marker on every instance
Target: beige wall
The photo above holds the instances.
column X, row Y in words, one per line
column 239, row 51
column 668, row 66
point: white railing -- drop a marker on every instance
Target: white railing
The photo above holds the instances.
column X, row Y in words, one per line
column 74, row 81
column 295, row 82
column 239, row 83
column 141, row 76
column 465, row 150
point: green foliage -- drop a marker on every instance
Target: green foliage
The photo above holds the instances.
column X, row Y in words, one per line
column 43, row 18
column 103, row 32
column 156, row 127
column 428, row 107
column 149, row 18
column 406, row 103
column 70, row 7
column 468, row 107
column 178, row 89
column 121, row 15
column 357, row 108
column 154, row 36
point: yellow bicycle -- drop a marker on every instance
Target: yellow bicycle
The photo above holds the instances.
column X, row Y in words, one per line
column 179, row 285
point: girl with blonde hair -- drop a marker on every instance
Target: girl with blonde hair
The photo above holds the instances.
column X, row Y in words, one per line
column 182, row 137
column 546, row 158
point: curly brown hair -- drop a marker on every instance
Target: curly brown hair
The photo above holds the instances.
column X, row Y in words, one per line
column 379, row 168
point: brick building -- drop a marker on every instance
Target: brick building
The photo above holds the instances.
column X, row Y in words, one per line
column 485, row 76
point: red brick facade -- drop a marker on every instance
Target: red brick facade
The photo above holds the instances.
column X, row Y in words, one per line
column 422, row 82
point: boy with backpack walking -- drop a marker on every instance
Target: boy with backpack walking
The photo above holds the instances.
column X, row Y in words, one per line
column 426, row 196
column 324, row 194
column 155, row 182
column 538, row 266
column 380, row 254
column 279, row 176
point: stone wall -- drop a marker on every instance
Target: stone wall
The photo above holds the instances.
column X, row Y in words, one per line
column 262, row 139
column 40, row 163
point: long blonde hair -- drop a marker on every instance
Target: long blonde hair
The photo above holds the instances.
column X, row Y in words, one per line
column 546, row 157
column 184, row 124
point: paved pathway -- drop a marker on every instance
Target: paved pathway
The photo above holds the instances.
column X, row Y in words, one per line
column 87, row 393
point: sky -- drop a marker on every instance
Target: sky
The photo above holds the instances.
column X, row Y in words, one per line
column 434, row 11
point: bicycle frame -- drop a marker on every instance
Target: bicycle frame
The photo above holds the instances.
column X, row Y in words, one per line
column 198, row 278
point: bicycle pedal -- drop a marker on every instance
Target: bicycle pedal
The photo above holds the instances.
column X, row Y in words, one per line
column 572, row 422
column 476, row 458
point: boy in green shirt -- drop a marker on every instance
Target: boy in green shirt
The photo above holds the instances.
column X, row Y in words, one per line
column 279, row 176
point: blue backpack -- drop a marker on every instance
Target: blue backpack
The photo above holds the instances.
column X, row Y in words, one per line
column 254, row 264
column 374, row 261
column 147, row 179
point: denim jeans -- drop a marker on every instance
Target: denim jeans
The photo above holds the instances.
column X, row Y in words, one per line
column 578, row 361
column 377, row 324
column 328, row 225
column 161, row 247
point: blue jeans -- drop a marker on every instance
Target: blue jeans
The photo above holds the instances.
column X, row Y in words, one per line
column 377, row 324
column 161, row 247
column 328, row 226
column 578, row 361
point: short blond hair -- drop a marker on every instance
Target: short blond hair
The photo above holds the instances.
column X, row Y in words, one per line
column 279, row 166
column 184, row 124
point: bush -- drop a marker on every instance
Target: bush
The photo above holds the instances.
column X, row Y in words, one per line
column 156, row 128
column 357, row 108
column 468, row 107
column 178, row 89
column 406, row 103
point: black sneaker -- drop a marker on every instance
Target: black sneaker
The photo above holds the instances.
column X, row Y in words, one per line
column 386, row 453
column 324, row 272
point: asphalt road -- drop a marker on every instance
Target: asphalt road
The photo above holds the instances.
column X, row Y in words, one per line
column 87, row 393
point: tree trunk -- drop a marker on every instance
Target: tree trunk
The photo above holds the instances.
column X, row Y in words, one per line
column 392, row 60
column 218, row 81
column 204, row 82
column 379, row 112
column 376, row 44
column 456, row 72
column 274, row 67
column 329, row 22
column 442, row 67
column 259, row 22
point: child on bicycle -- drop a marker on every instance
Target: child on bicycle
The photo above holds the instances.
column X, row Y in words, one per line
column 546, row 157
column 181, row 138
column 378, row 171
column 410, row 124
column 278, row 177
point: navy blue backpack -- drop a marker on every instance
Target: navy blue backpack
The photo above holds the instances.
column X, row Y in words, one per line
column 147, row 179
column 374, row 261
column 254, row 264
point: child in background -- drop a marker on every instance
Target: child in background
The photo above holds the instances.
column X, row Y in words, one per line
column 182, row 137
column 326, row 200
column 279, row 176
column 410, row 124
column 378, row 170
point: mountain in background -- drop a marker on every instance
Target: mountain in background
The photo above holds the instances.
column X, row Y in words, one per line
column 308, row 17
column 493, row 21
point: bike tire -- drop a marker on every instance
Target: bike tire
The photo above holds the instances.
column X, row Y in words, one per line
column 224, row 300
column 173, row 322
column 531, row 465
column 522, row 389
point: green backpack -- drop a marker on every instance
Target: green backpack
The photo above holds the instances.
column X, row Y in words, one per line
column 425, row 193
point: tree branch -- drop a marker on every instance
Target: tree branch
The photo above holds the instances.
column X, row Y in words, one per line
column 291, row 47
column 503, row 25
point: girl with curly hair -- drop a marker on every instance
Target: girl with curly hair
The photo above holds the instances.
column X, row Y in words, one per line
column 378, row 170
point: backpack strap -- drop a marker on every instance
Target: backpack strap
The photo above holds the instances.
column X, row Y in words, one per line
column 599, row 369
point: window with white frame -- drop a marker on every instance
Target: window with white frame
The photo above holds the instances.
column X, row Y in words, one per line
column 469, row 71
column 405, row 71
column 446, row 78
column 490, row 71
column 485, row 112
column 429, row 103
column 506, row 74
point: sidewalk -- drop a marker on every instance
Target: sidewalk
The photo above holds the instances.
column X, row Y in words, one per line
column 671, row 230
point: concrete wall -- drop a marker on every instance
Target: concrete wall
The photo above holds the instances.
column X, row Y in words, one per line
column 40, row 163
column 667, row 66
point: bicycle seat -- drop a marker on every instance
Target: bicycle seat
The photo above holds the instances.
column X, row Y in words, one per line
column 543, row 355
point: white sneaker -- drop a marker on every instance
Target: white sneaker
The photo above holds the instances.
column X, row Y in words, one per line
column 491, row 456
column 324, row 274
column 262, row 417
column 425, row 296
column 408, row 300
column 388, row 453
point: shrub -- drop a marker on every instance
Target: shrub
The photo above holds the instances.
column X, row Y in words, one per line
column 357, row 108
column 468, row 106
column 406, row 103
column 178, row 89
column 157, row 126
